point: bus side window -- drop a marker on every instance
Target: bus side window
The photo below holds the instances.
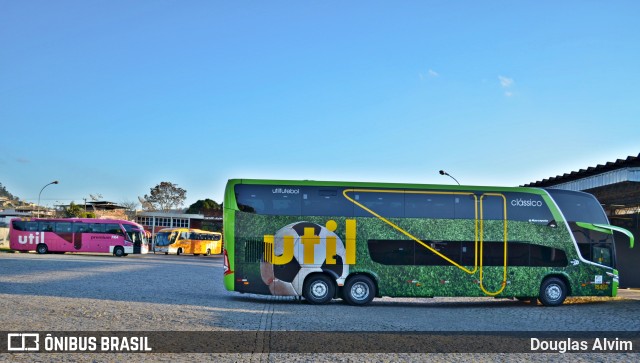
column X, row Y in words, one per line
column 63, row 227
column 493, row 207
column 465, row 206
column 46, row 226
column 32, row 226
column 324, row 201
column 385, row 204
column 544, row 256
column 113, row 229
column 437, row 206
column 80, row 227
column 518, row 254
column 96, row 228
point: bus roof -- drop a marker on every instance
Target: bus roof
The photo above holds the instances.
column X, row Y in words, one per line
column 82, row 220
column 231, row 182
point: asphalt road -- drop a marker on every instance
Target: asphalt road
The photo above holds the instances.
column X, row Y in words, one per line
column 77, row 292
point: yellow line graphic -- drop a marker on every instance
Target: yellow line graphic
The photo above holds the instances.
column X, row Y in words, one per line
column 476, row 265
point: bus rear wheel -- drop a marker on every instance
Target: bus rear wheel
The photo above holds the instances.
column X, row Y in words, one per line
column 118, row 251
column 318, row 289
column 359, row 290
column 553, row 291
column 42, row 248
column 208, row 252
column 179, row 252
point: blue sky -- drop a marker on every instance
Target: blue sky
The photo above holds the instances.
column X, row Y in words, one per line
column 114, row 97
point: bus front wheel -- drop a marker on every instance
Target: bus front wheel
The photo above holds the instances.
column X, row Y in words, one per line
column 318, row 289
column 42, row 248
column 553, row 291
column 359, row 290
column 118, row 251
column 179, row 251
column 208, row 252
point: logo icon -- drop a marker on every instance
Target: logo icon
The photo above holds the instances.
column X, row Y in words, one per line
column 23, row 342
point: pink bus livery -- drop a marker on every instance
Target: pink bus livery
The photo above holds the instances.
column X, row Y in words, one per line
column 77, row 235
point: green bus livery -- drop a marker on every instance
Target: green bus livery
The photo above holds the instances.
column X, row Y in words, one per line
column 357, row 241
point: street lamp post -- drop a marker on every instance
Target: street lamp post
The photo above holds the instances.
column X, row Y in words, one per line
column 39, row 194
column 442, row 172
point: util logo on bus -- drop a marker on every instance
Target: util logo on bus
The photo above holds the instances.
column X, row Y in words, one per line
column 32, row 238
column 309, row 239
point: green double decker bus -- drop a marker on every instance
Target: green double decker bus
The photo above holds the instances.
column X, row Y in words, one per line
column 357, row 241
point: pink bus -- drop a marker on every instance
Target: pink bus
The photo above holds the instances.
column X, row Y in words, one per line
column 77, row 235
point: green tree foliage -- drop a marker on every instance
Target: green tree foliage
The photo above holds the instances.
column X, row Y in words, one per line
column 164, row 196
column 5, row 193
column 206, row 207
column 76, row 211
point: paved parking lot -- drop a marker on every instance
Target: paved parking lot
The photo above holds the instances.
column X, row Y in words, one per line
column 185, row 293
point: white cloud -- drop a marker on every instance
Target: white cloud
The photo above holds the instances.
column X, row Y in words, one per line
column 506, row 82
column 430, row 74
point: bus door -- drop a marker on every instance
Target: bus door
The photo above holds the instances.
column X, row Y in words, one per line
column 134, row 237
column 79, row 229
column 182, row 241
column 137, row 243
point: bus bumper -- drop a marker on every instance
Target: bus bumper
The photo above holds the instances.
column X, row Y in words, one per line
column 615, row 280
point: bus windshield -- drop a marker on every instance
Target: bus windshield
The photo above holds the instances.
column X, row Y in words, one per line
column 165, row 238
column 579, row 207
column 594, row 245
column 134, row 235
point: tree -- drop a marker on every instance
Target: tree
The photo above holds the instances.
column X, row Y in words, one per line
column 76, row 211
column 129, row 205
column 5, row 193
column 129, row 208
column 164, row 196
column 206, row 207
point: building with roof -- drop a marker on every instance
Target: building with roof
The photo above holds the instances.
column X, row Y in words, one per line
column 617, row 186
column 154, row 221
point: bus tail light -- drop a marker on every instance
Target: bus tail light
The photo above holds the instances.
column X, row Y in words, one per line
column 227, row 270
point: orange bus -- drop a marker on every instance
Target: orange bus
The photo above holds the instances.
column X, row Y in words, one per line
column 187, row 241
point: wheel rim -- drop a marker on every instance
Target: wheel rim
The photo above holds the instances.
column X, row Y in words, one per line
column 359, row 291
column 319, row 289
column 553, row 292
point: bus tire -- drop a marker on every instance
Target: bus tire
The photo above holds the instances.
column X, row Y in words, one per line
column 208, row 252
column 166, row 253
column 553, row 291
column 359, row 290
column 118, row 251
column 318, row 289
column 42, row 248
column 179, row 252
